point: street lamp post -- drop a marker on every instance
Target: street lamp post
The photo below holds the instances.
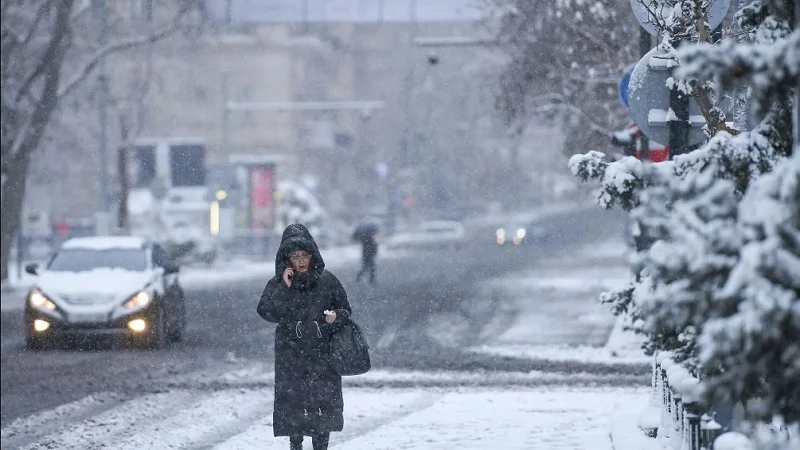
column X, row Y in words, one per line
column 100, row 13
column 434, row 42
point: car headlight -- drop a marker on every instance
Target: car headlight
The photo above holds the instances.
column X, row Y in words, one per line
column 38, row 300
column 521, row 233
column 140, row 300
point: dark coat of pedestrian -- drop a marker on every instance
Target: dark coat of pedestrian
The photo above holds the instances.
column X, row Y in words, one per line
column 308, row 303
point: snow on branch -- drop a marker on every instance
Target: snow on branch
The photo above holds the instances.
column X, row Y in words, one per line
column 741, row 158
column 768, row 67
column 620, row 180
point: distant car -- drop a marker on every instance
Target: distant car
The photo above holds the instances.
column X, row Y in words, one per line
column 430, row 234
column 110, row 285
column 518, row 235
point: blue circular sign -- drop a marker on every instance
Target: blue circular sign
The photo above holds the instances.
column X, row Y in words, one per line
column 623, row 86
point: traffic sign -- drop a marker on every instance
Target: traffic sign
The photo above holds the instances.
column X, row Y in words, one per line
column 649, row 102
column 623, row 85
column 653, row 14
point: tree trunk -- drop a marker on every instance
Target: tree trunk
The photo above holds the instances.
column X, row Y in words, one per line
column 16, row 170
column 124, row 188
column 13, row 196
column 122, row 173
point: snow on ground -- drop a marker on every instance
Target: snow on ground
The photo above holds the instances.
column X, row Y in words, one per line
column 430, row 418
column 250, row 374
column 625, row 433
column 554, row 309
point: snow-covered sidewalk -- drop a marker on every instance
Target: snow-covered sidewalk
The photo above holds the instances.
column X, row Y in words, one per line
column 566, row 418
column 552, row 312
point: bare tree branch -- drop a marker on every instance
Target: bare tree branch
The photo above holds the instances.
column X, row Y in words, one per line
column 104, row 52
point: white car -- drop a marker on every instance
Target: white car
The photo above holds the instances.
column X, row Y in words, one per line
column 109, row 285
column 431, row 234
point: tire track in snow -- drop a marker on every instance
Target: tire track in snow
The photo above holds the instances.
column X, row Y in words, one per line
column 24, row 431
column 214, row 418
column 104, row 430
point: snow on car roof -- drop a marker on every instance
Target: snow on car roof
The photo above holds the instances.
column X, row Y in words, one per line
column 105, row 242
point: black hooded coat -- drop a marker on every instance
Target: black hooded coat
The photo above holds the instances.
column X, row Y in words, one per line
column 308, row 392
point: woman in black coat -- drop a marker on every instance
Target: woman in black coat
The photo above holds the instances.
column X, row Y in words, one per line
column 308, row 303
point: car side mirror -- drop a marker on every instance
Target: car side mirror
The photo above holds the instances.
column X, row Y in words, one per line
column 32, row 269
column 171, row 267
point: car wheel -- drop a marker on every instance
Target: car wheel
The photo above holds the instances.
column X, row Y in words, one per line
column 176, row 334
column 34, row 342
column 156, row 336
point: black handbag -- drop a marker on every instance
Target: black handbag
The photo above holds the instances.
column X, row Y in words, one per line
column 349, row 350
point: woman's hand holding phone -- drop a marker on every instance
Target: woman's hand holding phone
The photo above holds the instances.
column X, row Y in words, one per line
column 288, row 273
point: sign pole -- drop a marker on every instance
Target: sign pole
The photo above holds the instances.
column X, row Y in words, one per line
column 645, row 44
column 678, row 117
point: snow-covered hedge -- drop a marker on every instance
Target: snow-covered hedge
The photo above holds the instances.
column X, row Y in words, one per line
column 720, row 286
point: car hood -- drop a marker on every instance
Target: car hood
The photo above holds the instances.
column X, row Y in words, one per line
column 107, row 282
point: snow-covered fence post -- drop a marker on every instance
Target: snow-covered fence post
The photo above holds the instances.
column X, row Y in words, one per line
column 677, row 419
column 675, row 374
column 692, row 439
column 691, row 431
column 648, row 420
column 709, row 430
column 665, row 427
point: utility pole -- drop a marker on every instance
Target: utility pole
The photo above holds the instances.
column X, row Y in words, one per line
column 429, row 164
column 225, row 113
column 100, row 11
column 408, row 85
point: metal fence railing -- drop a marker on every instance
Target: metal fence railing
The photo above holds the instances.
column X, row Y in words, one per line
column 675, row 417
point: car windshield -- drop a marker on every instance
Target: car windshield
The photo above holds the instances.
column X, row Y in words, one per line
column 83, row 259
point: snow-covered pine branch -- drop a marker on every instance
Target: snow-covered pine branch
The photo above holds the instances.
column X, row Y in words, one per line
column 744, row 157
column 769, row 68
column 620, row 180
column 720, row 287
column 753, row 327
column 696, row 249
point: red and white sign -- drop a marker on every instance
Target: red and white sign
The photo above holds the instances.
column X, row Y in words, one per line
column 261, row 202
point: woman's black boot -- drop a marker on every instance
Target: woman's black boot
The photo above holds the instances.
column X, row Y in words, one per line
column 320, row 441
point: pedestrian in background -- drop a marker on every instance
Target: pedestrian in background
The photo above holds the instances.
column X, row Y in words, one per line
column 366, row 235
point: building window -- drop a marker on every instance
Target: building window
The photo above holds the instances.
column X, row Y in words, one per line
column 187, row 164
